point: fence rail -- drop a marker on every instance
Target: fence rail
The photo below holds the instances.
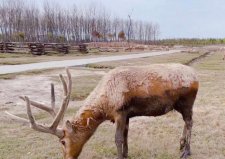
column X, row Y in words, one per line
column 37, row 48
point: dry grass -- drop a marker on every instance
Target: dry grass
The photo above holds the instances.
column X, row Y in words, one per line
column 13, row 55
column 15, row 59
column 149, row 137
column 33, row 72
column 83, row 85
column 183, row 57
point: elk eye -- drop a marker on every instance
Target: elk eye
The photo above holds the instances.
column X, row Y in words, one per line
column 63, row 142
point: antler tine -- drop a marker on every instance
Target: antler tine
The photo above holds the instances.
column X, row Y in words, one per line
column 17, row 118
column 52, row 96
column 29, row 113
column 64, row 84
column 65, row 103
column 41, row 106
column 39, row 127
column 69, row 81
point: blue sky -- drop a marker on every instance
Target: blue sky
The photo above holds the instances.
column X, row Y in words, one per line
column 177, row 18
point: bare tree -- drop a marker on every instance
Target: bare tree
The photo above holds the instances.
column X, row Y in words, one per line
column 20, row 21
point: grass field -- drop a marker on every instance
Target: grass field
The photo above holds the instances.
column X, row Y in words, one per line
column 149, row 137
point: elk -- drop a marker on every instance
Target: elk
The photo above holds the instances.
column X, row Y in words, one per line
column 123, row 93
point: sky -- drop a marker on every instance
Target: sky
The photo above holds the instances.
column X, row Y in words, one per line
column 176, row 18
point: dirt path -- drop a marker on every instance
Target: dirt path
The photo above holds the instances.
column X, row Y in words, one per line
column 59, row 64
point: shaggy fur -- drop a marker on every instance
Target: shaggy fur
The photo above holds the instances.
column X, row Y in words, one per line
column 120, row 85
column 126, row 92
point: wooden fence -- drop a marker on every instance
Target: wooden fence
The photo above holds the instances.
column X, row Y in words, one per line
column 37, row 48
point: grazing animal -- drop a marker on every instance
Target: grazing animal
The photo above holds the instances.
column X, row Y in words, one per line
column 123, row 93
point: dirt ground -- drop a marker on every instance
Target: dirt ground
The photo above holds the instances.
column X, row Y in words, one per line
column 149, row 137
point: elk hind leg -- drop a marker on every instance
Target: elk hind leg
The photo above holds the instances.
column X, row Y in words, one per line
column 186, row 147
column 183, row 138
column 125, row 147
column 184, row 106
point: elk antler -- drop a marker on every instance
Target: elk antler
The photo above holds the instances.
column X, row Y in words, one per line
column 52, row 110
column 52, row 129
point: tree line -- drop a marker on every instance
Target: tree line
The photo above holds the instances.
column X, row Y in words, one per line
column 191, row 42
column 21, row 21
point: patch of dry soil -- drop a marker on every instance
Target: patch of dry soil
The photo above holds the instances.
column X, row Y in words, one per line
column 37, row 87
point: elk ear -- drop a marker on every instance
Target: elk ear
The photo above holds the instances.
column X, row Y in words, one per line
column 69, row 126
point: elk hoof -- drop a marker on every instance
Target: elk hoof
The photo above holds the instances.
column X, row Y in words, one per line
column 182, row 144
column 185, row 154
column 125, row 156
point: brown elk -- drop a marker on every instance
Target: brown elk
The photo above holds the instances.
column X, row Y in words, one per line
column 123, row 93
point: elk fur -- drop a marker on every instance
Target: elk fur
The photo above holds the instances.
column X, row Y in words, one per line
column 138, row 91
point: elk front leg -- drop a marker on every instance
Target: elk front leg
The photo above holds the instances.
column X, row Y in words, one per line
column 125, row 149
column 119, row 137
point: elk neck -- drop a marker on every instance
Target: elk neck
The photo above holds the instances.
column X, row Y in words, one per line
column 88, row 118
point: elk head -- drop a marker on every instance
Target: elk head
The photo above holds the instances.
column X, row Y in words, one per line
column 68, row 137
